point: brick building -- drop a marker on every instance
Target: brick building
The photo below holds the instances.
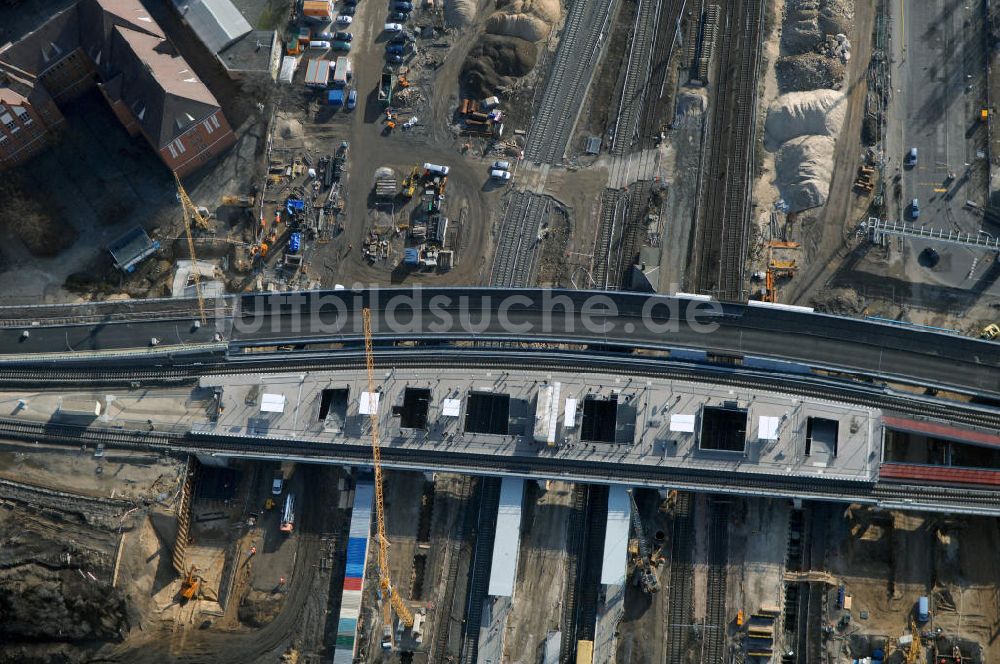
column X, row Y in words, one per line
column 116, row 46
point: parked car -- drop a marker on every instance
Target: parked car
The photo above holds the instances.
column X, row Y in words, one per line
column 344, row 19
column 402, row 6
column 350, row 2
column 394, row 49
column 352, row 99
column 393, row 27
column 319, row 45
column 278, row 483
column 399, row 38
column 348, row 10
column 343, row 36
column 497, row 174
column 501, row 165
column 911, row 157
column 915, row 208
column 325, row 36
column 395, row 59
column 341, row 46
column 398, row 17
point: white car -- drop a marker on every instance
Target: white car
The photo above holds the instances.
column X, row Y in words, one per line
column 497, row 174
column 393, row 27
column 344, row 20
column 501, row 165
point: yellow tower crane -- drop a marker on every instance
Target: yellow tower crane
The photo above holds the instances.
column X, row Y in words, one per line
column 385, row 580
column 191, row 212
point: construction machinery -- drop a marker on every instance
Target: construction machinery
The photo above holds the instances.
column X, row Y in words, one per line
column 644, row 566
column 990, row 332
column 191, row 212
column 410, row 183
column 243, row 201
column 916, row 649
column 191, row 586
column 385, row 579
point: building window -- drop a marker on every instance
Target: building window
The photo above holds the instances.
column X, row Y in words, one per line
column 180, row 146
column 3, row 137
column 22, row 115
column 215, row 121
column 208, row 126
column 173, row 152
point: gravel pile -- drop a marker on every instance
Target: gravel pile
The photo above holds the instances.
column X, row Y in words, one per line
column 808, row 21
column 809, row 71
column 495, row 61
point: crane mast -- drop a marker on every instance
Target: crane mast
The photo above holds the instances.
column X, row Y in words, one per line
column 385, row 580
column 191, row 212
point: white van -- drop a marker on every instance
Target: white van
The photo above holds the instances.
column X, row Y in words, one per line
column 393, row 27
column 320, row 45
column 498, row 174
column 436, row 170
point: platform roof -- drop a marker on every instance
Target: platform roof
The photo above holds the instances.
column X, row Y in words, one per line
column 503, row 572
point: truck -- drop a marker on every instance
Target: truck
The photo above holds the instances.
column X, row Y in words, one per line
column 288, row 514
column 385, row 87
column 320, row 11
column 923, row 609
column 341, row 71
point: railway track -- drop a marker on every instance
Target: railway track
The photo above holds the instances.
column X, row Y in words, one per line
column 724, row 209
column 638, row 69
column 516, row 247
column 690, row 479
column 630, row 241
column 574, row 550
column 88, row 507
column 681, row 601
column 862, row 394
column 612, row 210
column 479, row 573
column 657, row 109
column 714, row 643
column 442, row 625
column 580, row 46
column 592, row 561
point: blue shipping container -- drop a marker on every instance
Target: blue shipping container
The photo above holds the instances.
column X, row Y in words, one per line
column 335, row 98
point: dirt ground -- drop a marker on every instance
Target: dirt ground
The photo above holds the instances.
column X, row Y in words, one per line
column 541, row 571
column 895, row 558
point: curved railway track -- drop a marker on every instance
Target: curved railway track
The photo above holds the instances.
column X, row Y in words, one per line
column 541, row 360
column 689, row 479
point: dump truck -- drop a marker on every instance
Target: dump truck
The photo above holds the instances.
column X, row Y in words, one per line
column 385, row 87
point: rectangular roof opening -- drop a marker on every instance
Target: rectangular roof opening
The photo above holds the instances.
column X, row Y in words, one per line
column 600, row 418
column 487, row 413
column 413, row 412
column 333, row 408
column 821, row 436
column 723, row 429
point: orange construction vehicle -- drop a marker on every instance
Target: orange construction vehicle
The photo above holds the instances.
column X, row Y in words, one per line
column 191, row 586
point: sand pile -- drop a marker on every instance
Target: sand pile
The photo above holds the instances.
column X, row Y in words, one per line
column 803, row 128
column 523, row 26
column 547, row 10
column 819, row 112
column 460, row 13
column 804, row 167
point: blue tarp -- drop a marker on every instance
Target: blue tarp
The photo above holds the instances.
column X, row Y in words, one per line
column 411, row 256
column 335, row 97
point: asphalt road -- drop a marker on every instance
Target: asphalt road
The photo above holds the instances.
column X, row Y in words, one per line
column 939, row 76
column 923, row 357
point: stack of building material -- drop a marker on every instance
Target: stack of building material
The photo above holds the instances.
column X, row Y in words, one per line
column 354, row 576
